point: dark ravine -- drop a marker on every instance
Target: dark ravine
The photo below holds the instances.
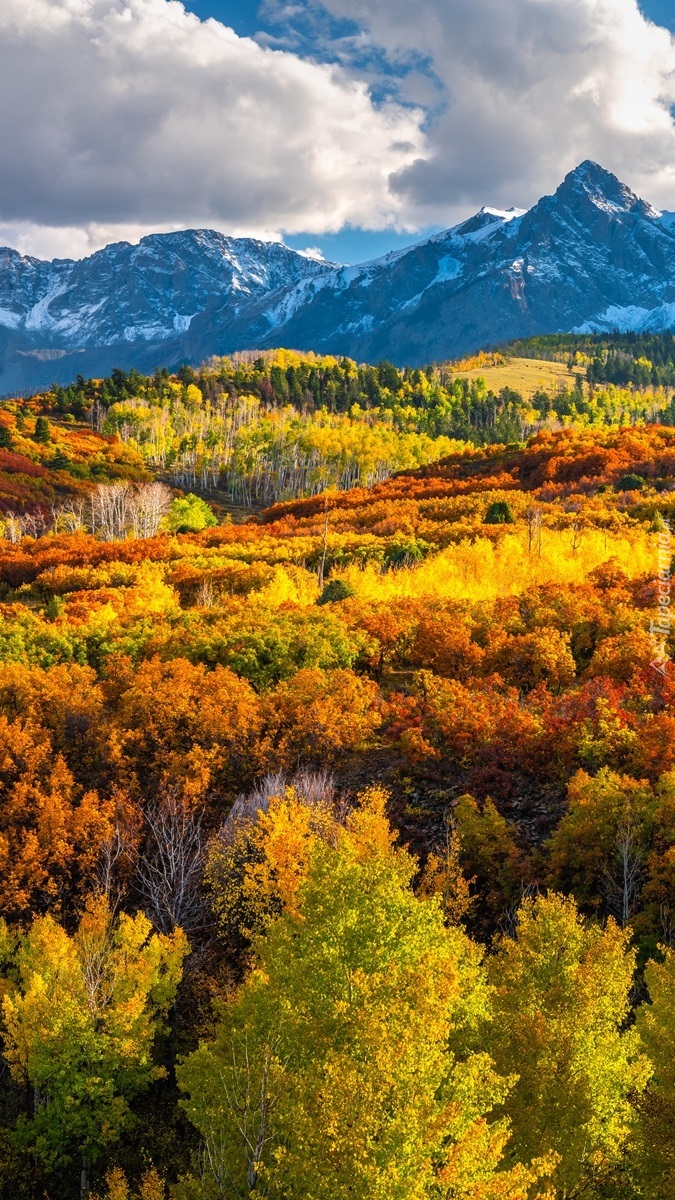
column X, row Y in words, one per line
column 591, row 257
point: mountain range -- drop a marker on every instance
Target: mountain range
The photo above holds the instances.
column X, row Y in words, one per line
column 591, row 257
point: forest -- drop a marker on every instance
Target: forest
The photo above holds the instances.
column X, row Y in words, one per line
column 280, row 425
column 638, row 360
column 337, row 786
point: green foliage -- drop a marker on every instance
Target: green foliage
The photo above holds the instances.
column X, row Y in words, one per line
column 336, row 590
column 80, row 1027
column 43, row 433
column 562, row 996
column 189, row 514
column 654, row 1154
column 339, row 1071
column 490, row 858
column 499, row 513
column 640, row 360
column 630, row 483
column 404, row 554
column 599, row 847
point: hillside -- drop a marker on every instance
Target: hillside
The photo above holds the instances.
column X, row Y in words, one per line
column 441, row 695
column 526, row 376
column 260, row 427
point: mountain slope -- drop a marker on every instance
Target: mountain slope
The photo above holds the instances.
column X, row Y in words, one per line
column 591, row 257
column 129, row 305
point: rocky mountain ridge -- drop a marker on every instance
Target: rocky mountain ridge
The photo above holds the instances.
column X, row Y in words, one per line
column 593, row 256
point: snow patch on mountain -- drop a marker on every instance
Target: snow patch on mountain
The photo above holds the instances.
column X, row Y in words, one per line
column 630, row 318
column 448, row 268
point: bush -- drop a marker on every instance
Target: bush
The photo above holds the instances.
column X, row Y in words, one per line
column 499, row 513
column 630, row 483
column 189, row 514
column 403, row 554
column 335, row 590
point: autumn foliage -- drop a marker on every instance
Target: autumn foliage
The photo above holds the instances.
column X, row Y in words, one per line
column 362, row 806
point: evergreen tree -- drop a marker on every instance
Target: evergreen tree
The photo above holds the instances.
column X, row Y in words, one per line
column 42, row 431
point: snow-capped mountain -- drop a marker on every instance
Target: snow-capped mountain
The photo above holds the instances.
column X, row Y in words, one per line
column 591, row 257
column 130, row 305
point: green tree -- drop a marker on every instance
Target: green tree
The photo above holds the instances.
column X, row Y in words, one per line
column 499, row 513
column 42, row 431
column 189, row 514
column 599, row 849
column 655, row 1147
column 80, row 1027
column 562, row 995
column 491, row 859
column 339, row 1071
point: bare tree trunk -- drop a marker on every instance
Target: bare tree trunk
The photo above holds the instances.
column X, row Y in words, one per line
column 623, row 886
column 85, row 1178
column 322, row 567
column 168, row 874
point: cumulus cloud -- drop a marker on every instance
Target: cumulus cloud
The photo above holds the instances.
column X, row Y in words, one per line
column 529, row 88
column 314, row 252
column 120, row 117
column 123, row 116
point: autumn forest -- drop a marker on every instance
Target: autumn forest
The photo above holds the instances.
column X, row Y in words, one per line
column 337, row 780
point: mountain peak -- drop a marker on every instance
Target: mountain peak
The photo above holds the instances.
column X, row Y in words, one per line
column 592, row 256
column 591, row 182
column 486, row 220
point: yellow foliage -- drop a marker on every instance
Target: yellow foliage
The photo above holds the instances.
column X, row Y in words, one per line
column 443, row 876
column 285, row 836
column 290, row 585
column 482, row 570
column 151, row 1186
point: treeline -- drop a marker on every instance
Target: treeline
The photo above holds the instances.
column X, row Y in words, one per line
column 270, row 427
column 256, row 430
column 638, row 360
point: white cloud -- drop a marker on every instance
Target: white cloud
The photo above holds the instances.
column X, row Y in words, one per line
column 314, row 252
column 118, row 117
column 532, row 87
column 122, row 117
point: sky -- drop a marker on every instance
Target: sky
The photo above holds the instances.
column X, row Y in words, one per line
column 247, row 18
column 345, row 128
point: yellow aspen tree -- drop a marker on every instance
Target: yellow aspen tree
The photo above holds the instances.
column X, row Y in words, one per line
column 80, row 1027
column 340, row 1070
column 561, row 997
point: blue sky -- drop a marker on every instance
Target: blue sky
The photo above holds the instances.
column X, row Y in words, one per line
column 382, row 121
column 241, row 14
column 351, row 244
column 245, row 17
column 661, row 11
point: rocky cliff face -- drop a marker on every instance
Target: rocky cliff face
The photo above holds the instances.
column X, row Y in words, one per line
column 591, row 257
